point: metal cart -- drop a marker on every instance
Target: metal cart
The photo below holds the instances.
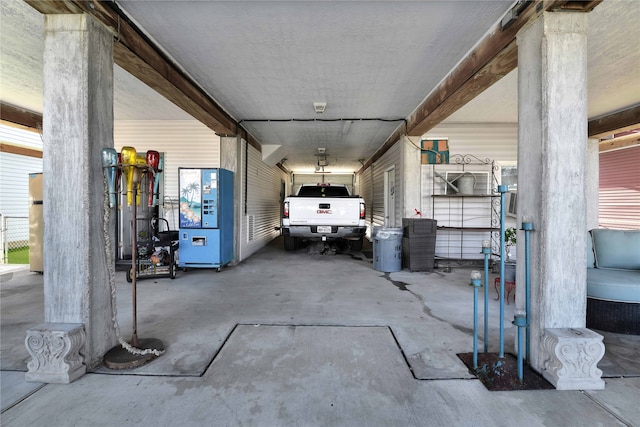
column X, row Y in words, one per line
column 156, row 251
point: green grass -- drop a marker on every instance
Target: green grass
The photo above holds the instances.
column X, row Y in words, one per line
column 18, row 256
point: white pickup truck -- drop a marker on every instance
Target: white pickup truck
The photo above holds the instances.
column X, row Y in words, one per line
column 323, row 212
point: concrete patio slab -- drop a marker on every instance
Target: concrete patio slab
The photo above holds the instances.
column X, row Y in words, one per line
column 230, row 396
column 337, row 344
column 13, row 388
column 620, row 397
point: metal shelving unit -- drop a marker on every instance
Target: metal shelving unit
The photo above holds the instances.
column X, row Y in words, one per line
column 467, row 214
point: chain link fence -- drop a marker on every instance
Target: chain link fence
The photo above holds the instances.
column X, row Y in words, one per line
column 14, row 234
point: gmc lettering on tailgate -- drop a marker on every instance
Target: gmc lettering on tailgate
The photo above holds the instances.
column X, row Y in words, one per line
column 323, row 211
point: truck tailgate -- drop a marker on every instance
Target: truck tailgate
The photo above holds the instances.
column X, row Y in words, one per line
column 324, row 211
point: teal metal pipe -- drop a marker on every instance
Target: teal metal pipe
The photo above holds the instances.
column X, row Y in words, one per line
column 476, row 283
column 527, row 227
column 486, row 250
column 521, row 322
column 502, row 189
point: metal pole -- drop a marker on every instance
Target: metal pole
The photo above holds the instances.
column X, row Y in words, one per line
column 527, row 227
column 134, row 266
column 521, row 322
column 502, row 189
column 476, row 283
column 486, row 250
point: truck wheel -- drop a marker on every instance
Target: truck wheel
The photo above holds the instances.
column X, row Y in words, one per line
column 289, row 243
column 356, row 245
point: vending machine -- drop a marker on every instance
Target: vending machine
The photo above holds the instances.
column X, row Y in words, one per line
column 206, row 217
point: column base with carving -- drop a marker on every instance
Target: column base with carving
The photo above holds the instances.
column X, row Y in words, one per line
column 55, row 352
column 572, row 358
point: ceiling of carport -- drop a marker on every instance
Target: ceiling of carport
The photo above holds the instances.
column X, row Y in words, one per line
column 271, row 60
column 368, row 60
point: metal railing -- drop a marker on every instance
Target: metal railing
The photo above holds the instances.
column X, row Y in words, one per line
column 14, row 234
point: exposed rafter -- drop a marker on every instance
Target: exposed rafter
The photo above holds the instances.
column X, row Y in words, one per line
column 19, row 116
column 20, row 151
column 572, row 5
column 602, row 126
column 493, row 58
column 614, row 123
column 616, row 144
column 138, row 56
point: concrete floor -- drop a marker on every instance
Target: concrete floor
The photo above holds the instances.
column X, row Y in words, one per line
column 293, row 339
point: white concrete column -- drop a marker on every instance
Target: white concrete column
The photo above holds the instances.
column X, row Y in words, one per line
column 592, row 183
column 411, row 177
column 232, row 158
column 77, row 124
column 231, row 149
column 552, row 104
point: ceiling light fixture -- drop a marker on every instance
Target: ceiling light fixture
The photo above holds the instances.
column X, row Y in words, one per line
column 319, row 107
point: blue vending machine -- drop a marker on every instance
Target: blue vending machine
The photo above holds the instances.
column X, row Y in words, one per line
column 206, row 217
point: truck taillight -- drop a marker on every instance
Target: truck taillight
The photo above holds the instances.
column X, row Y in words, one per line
column 363, row 211
column 285, row 209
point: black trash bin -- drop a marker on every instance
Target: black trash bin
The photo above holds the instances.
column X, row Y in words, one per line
column 419, row 243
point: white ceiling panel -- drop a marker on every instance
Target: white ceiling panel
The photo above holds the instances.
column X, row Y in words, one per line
column 370, row 60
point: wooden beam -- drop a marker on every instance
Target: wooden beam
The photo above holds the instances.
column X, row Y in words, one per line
column 438, row 109
column 493, row 58
column 21, row 151
column 176, row 93
column 572, row 5
column 20, row 116
column 614, row 123
column 31, row 121
column 138, row 56
column 391, row 140
column 618, row 143
column 49, row 7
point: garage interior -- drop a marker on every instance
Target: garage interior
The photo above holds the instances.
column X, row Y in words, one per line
column 320, row 89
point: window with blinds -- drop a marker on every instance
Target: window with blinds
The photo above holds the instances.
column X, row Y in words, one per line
column 619, row 196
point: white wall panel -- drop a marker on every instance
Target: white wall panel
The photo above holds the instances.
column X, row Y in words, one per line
column 15, row 170
column 14, row 183
column 371, row 188
column 262, row 205
column 364, row 187
column 391, row 158
column 20, row 137
column 313, row 178
column 185, row 143
column 495, row 141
